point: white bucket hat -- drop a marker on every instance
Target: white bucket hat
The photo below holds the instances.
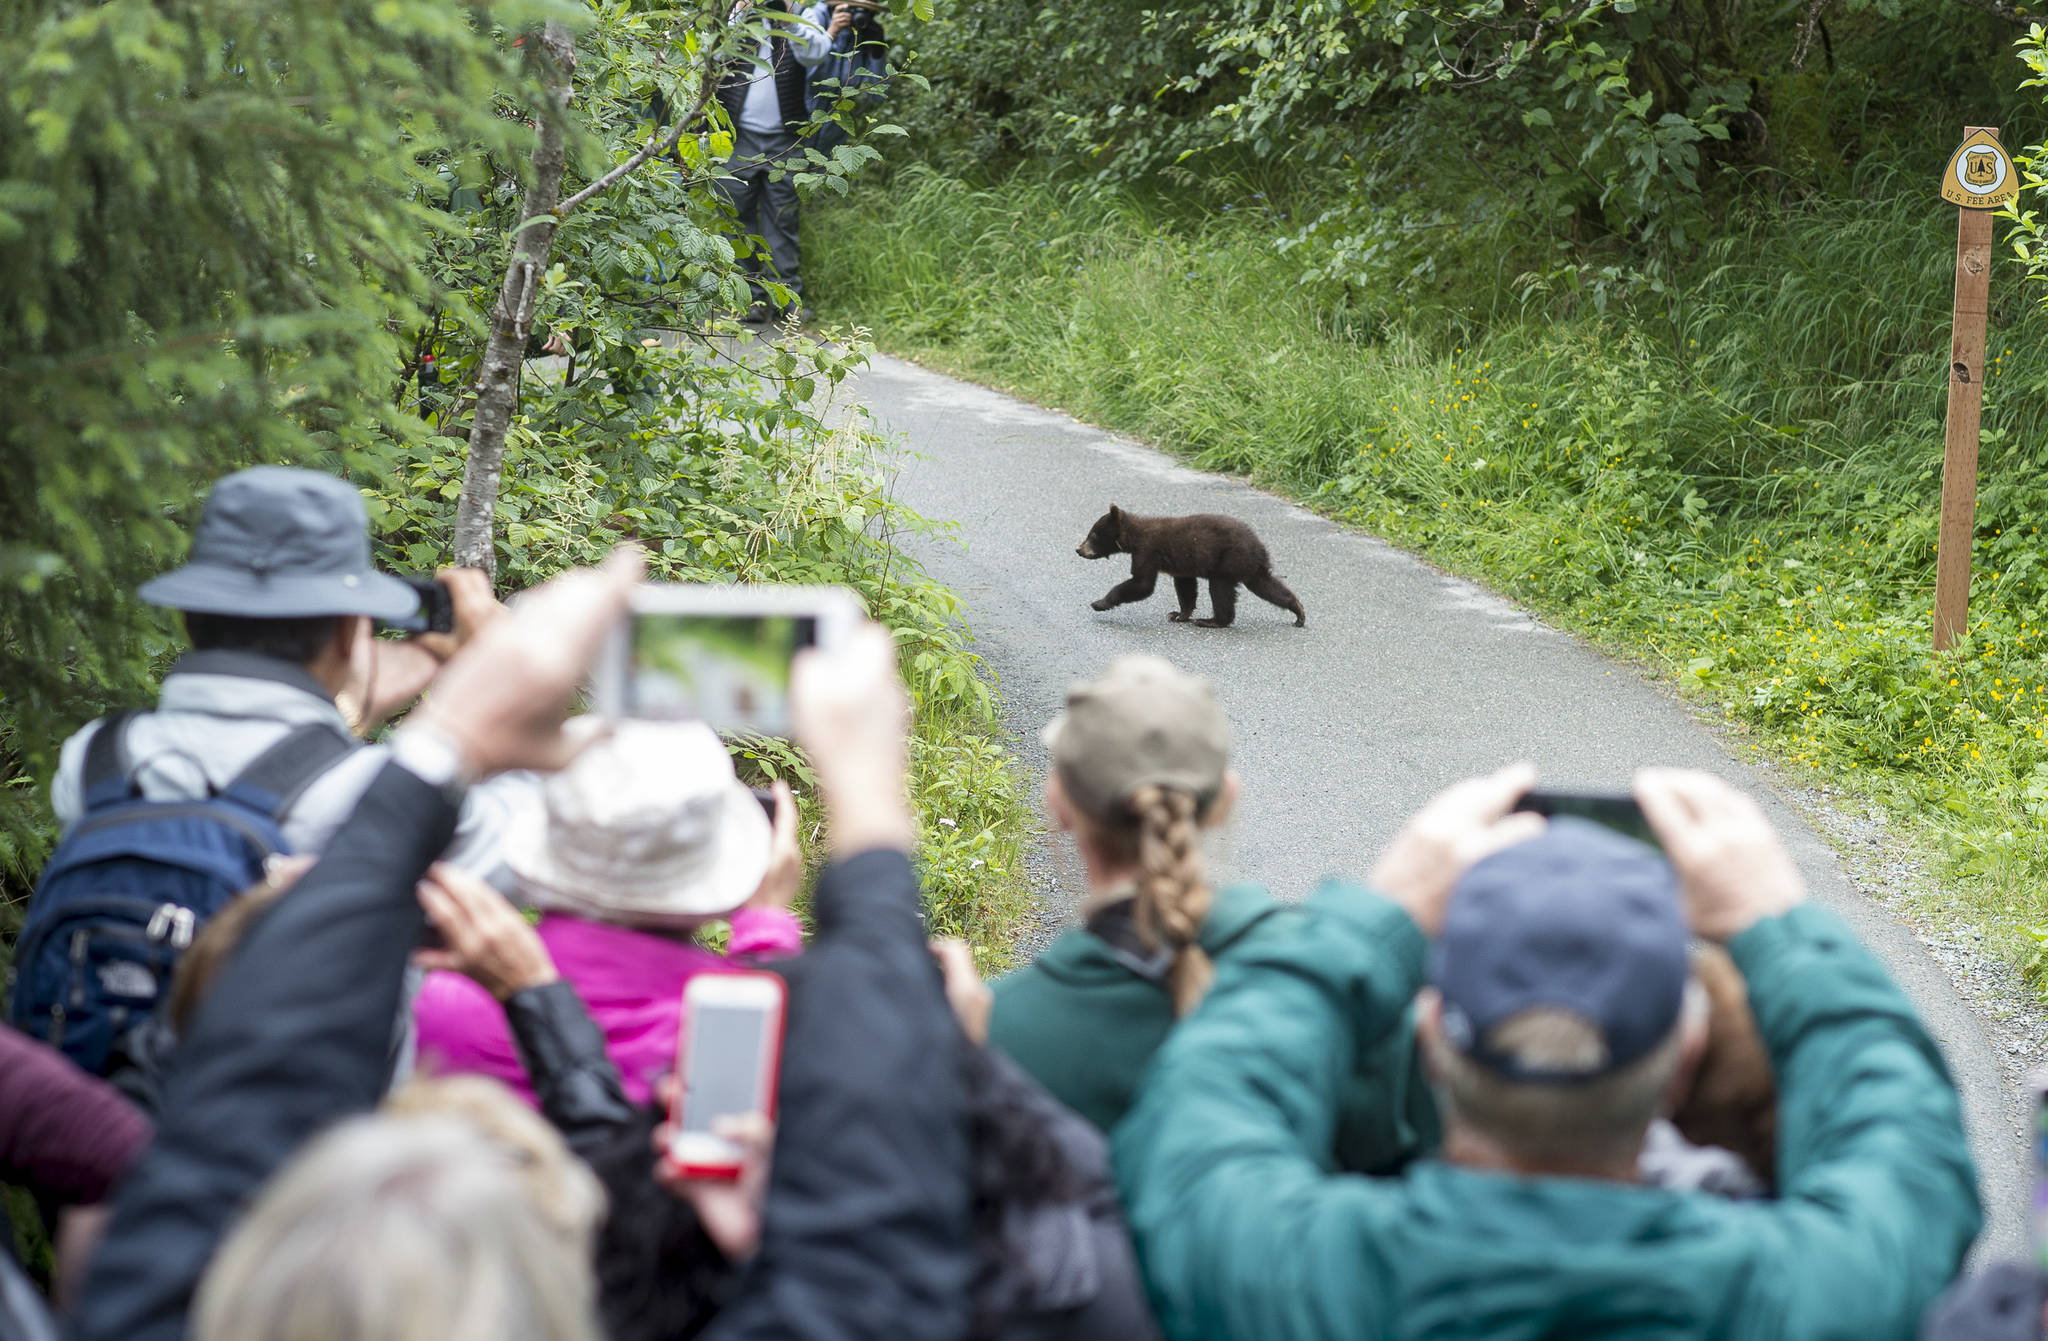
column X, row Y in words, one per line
column 648, row 827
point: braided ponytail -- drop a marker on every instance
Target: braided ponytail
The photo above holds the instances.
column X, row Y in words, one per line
column 1173, row 891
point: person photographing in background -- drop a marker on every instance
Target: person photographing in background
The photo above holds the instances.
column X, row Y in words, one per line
column 852, row 76
column 763, row 97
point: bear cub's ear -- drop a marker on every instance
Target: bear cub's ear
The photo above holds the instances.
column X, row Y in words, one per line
column 1116, row 513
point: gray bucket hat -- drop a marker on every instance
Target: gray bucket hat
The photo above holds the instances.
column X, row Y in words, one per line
column 279, row 543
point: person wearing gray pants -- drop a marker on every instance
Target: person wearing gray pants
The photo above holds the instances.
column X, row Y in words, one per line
column 765, row 103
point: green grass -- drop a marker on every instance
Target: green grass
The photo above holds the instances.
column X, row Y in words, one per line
column 1739, row 487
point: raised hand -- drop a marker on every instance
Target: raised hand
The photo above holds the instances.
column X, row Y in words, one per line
column 1460, row 825
column 853, row 720
column 502, row 698
column 1732, row 867
column 484, row 936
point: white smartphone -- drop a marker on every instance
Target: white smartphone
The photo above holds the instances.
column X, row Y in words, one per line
column 728, row 1056
column 717, row 654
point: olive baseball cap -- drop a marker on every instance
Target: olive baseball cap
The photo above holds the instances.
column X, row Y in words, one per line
column 1139, row 724
column 276, row 542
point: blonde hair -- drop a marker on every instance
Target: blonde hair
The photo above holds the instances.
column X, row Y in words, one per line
column 1173, row 889
column 409, row 1227
column 560, row 1186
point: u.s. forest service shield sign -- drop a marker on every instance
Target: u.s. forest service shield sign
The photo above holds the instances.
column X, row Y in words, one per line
column 1980, row 175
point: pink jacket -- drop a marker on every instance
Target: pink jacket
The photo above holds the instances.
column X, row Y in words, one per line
column 632, row 981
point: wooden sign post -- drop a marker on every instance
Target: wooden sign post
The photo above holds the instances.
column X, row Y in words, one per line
column 1979, row 179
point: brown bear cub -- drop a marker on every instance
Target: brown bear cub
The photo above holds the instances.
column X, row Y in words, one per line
column 1188, row 549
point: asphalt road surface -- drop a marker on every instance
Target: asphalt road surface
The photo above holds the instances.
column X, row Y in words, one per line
column 1404, row 681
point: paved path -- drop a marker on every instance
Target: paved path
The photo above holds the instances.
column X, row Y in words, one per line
column 1404, row 680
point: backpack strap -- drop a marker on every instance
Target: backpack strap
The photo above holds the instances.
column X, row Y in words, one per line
column 276, row 778
column 105, row 779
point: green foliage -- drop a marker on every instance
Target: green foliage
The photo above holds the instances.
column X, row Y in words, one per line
column 207, row 238
column 1594, row 143
column 728, row 459
column 738, row 466
column 1740, row 489
column 234, row 233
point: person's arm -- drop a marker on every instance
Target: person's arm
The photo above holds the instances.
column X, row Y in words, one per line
column 67, row 789
column 866, row 1229
column 65, row 1135
column 294, row 1034
column 573, row 1077
column 489, row 941
column 492, row 812
column 764, row 928
column 391, row 674
column 810, row 36
column 1223, row 1160
column 1877, row 1194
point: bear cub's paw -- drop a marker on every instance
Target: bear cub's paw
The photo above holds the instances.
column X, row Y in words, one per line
column 1177, row 616
column 1099, row 605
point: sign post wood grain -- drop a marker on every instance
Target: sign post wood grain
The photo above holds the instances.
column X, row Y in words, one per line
column 1979, row 179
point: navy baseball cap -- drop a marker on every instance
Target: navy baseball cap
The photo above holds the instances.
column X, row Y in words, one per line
column 1578, row 919
column 275, row 542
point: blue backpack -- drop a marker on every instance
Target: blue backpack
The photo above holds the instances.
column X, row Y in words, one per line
column 134, row 879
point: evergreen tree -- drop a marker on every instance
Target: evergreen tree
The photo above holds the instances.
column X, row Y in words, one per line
column 213, row 215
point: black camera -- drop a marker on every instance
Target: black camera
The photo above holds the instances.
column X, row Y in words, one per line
column 864, row 20
column 437, row 608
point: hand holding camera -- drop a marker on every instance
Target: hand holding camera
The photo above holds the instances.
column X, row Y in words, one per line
column 1462, row 824
column 1732, row 867
column 483, row 937
column 502, row 699
column 388, row 674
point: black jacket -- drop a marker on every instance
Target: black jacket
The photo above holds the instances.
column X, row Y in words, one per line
column 294, row 1036
column 790, row 79
column 660, row 1277
column 867, row 1230
column 1055, row 1258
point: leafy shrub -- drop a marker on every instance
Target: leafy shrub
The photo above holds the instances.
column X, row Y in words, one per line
column 240, row 233
column 1741, row 490
column 732, row 469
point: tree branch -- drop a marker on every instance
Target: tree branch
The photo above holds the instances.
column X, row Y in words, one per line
column 655, row 145
column 497, row 379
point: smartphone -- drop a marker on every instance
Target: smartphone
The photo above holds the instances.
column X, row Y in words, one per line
column 437, row 608
column 765, row 798
column 1619, row 813
column 717, row 654
column 728, row 1057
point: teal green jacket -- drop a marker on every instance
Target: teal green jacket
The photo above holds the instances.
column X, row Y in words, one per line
column 1242, row 1233
column 1085, row 1026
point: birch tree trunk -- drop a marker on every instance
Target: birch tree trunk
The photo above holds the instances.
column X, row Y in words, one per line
column 497, row 382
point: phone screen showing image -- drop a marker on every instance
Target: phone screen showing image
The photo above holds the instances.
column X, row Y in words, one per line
column 728, row 671
column 723, row 1068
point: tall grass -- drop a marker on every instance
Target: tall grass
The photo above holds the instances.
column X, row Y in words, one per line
column 1738, row 484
